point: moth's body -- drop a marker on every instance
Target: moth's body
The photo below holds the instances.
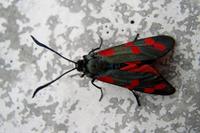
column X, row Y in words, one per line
column 94, row 66
column 128, row 65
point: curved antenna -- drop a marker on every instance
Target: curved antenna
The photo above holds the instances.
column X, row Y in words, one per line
column 43, row 45
column 47, row 84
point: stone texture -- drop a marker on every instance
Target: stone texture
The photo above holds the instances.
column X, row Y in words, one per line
column 72, row 28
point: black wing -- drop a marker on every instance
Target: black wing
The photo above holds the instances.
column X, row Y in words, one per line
column 140, row 50
column 142, row 78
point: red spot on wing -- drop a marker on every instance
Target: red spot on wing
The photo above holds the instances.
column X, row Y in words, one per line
column 107, row 79
column 149, row 90
column 160, row 86
column 134, row 83
column 147, row 69
column 135, row 50
column 129, row 66
column 129, row 44
column 142, row 69
column 159, row 46
column 149, row 41
column 107, row 52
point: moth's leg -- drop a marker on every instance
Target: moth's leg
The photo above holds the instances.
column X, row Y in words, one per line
column 82, row 75
column 92, row 81
column 77, row 74
column 136, row 97
column 136, row 37
column 93, row 50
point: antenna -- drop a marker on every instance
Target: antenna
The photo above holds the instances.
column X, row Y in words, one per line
column 49, row 83
column 43, row 45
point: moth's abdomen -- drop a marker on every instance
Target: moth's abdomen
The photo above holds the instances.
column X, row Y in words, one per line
column 115, row 66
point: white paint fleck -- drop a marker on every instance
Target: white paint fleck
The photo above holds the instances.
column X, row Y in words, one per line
column 6, row 3
column 2, row 25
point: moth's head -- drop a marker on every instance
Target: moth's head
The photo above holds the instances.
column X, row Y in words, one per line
column 80, row 65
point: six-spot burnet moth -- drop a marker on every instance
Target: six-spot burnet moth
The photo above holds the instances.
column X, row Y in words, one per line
column 128, row 65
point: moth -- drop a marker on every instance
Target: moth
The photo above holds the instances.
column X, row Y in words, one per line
column 128, row 65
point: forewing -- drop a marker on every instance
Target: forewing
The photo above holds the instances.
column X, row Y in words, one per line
column 139, row 78
column 140, row 50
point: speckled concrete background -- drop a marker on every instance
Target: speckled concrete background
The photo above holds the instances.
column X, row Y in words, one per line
column 72, row 28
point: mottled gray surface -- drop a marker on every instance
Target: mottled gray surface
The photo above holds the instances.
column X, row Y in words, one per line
column 72, row 28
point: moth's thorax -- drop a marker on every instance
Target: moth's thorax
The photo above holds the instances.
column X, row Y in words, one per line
column 96, row 66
